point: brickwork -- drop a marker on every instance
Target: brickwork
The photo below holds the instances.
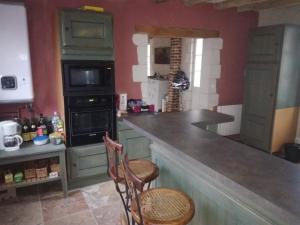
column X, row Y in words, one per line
column 173, row 104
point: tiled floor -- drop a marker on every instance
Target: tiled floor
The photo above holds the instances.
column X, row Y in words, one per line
column 93, row 205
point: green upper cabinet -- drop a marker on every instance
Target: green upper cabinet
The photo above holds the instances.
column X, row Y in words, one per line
column 86, row 35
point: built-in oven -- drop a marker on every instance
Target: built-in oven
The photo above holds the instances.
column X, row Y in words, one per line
column 88, row 118
column 82, row 77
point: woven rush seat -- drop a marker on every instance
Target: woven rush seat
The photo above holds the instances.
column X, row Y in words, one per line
column 164, row 206
column 144, row 170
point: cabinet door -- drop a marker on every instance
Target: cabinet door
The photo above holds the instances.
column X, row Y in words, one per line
column 87, row 161
column 86, row 33
column 135, row 144
column 265, row 44
column 258, row 108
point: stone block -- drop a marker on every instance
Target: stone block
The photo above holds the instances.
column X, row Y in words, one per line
column 139, row 73
column 212, row 43
column 140, row 39
column 142, row 54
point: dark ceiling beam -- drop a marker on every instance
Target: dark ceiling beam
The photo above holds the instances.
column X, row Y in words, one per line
column 270, row 4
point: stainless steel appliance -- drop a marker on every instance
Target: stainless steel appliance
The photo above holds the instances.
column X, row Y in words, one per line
column 10, row 139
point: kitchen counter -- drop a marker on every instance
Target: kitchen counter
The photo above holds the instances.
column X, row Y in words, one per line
column 267, row 185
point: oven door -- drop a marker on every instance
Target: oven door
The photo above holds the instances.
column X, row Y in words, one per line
column 89, row 125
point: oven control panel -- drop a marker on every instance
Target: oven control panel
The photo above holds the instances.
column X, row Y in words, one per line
column 8, row 82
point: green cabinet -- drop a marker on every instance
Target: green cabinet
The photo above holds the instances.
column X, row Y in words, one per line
column 135, row 144
column 272, row 81
column 88, row 160
column 86, row 35
column 91, row 160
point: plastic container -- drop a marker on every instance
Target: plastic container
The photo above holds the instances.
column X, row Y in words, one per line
column 41, row 140
column 292, row 152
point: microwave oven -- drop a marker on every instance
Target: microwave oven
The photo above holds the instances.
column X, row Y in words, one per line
column 88, row 77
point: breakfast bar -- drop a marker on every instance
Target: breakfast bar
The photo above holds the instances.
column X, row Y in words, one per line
column 230, row 183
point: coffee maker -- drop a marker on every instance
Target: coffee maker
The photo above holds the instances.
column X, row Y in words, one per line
column 10, row 139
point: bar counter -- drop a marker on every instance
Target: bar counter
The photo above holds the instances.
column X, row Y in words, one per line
column 231, row 183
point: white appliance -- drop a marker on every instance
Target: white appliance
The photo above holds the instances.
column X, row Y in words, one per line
column 15, row 65
column 157, row 90
column 10, row 139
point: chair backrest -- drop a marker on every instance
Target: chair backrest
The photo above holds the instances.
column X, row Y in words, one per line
column 113, row 151
column 134, row 185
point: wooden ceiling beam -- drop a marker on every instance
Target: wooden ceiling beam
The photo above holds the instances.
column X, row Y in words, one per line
column 269, row 5
column 154, row 31
column 159, row 1
column 194, row 2
column 237, row 3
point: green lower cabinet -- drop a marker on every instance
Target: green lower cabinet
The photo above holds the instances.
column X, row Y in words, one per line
column 135, row 144
column 88, row 160
column 212, row 206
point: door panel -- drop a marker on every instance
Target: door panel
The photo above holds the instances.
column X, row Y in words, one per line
column 87, row 160
column 86, row 34
column 265, row 44
column 259, row 100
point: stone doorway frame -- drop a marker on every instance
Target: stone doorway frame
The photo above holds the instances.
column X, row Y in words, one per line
column 211, row 71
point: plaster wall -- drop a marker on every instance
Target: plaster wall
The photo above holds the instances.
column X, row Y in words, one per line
column 233, row 26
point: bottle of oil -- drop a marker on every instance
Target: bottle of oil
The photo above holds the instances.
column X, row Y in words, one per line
column 26, row 130
column 42, row 124
column 33, row 129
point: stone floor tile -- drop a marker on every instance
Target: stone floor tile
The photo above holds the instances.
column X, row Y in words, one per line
column 57, row 206
column 26, row 194
column 108, row 214
column 50, row 189
column 81, row 218
column 100, row 195
column 23, row 213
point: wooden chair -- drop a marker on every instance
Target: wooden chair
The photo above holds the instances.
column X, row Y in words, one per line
column 145, row 170
column 156, row 206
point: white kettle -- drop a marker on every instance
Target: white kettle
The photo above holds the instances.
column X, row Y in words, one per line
column 10, row 139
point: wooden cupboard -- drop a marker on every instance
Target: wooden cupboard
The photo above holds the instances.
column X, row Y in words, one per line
column 86, row 35
column 91, row 160
column 272, row 87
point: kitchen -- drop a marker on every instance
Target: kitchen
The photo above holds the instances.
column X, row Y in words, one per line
column 47, row 57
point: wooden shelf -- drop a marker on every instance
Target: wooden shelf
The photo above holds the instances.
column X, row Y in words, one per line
column 28, row 183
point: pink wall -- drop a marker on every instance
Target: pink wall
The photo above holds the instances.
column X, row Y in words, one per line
column 234, row 28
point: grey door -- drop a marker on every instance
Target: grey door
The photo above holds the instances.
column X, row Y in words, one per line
column 258, row 107
column 265, row 44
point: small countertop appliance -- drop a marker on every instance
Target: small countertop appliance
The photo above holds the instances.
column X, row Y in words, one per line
column 10, row 139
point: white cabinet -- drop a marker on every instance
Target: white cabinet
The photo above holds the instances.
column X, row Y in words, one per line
column 157, row 89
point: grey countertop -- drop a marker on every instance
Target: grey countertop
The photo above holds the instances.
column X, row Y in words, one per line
column 275, row 181
column 28, row 149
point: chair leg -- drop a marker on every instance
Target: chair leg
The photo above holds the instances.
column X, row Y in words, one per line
column 149, row 184
column 123, row 201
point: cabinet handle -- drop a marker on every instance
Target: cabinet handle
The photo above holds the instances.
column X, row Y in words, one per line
column 74, row 164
